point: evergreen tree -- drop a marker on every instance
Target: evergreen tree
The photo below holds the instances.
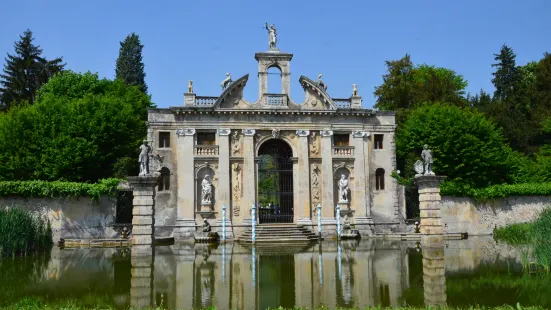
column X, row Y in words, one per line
column 506, row 76
column 25, row 72
column 130, row 67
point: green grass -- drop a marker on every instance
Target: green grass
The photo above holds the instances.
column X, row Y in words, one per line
column 532, row 239
column 23, row 233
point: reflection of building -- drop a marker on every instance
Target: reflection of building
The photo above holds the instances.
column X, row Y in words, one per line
column 282, row 156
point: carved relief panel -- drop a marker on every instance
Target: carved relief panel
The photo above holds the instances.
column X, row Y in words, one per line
column 236, row 143
column 315, row 180
column 314, row 144
column 236, row 188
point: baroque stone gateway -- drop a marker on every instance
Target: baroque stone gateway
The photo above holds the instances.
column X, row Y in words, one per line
column 284, row 157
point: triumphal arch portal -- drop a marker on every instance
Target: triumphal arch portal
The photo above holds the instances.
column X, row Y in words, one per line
column 222, row 154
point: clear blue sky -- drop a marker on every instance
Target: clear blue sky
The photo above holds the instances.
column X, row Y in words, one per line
column 347, row 41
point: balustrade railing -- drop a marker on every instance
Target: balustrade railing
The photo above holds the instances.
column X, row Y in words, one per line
column 342, row 103
column 276, row 99
column 206, row 150
column 204, row 101
column 343, row 151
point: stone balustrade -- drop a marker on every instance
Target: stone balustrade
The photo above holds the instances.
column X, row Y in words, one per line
column 206, row 150
column 342, row 103
column 343, row 151
column 205, row 101
column 276, row 100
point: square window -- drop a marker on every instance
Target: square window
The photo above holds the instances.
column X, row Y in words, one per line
column 164, row 139
column 378, row 141
column 206, row 138
column 341, row 140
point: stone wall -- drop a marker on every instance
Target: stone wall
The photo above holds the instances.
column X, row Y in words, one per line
column 75, row 217
column 462, row 214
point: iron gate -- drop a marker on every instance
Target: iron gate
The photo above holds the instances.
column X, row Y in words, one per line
column 275, row 182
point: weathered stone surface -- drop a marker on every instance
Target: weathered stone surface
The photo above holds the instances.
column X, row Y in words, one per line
column 142, row 239
column 142, row 230
column 142, row 220
column 143, row 210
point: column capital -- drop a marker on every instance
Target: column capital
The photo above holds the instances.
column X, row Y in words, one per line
column 185, row 132
column 303, row 133
column 326, row 133
column 360, row 134
column 223, row 131
column 248, row 132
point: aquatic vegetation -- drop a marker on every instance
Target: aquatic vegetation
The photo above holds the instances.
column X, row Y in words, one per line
column 532, row 241
column 23, row 233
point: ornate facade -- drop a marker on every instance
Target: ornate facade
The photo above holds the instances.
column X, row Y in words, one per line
column 281, row 156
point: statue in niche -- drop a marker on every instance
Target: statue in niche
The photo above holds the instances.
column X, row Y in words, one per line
column 227, row 81
column 343, row 189
column 424, row 167
column 272, row 36
column 206, row 226
column 235, row 144
column 144, row 158
column 206, row 190
column 190, row 86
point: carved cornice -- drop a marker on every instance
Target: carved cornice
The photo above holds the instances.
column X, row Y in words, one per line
column 326, row 133
column 360, row 134
column 185, row 132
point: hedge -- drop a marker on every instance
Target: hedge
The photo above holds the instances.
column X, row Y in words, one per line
column 496, row 191
column 58, row 188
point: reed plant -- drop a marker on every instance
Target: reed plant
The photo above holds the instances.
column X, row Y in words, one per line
column 22, row 232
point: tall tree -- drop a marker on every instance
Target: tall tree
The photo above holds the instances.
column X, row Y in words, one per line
column 130, row 67
column 506, row 75
column 25, row 72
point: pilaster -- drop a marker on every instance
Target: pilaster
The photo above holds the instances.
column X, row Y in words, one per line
column 143, row 214
column 328, row 207
column 249, row 196
column 303, row 214
column 186, row 184
column 361, row 199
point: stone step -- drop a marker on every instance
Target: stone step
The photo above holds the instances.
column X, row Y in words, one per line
column 279, row 233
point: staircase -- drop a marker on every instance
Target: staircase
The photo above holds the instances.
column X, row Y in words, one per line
column 279, row 233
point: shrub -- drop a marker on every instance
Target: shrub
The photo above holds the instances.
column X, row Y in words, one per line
column 22, row 232
column 58, row 188
column 495, row 191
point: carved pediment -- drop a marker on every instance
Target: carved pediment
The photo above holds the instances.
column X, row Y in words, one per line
column 316, row 96
column 232, row 97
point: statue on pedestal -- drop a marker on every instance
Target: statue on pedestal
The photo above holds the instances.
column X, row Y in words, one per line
column 346, row 223
column 190, row 86
column 343, row 189
column 206, row 226
column 144, row 158
column 227, row 81
column 272, row 36
column 354, row 90
column 424, row 167
column 206, row 190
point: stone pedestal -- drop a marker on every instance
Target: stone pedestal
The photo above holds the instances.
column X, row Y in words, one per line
column 434, row 278
column 141, row 282
column 143, row 214
column 429, row 204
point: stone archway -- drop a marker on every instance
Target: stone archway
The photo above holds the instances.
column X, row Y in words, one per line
column 275, row 182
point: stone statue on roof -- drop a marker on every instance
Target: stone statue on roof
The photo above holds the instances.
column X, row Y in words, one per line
column 273, row 36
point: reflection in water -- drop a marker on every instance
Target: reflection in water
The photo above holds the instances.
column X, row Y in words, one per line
column 231, row 276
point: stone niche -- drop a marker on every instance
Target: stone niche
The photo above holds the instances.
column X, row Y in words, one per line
column 203, row 170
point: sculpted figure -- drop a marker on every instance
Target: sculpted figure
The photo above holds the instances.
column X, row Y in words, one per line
column 346, row 223
column 206, row 191
column 206, row 226
column 426, row 155
column 343, row 189
column 190, row 86
column 235, row 143
column 321, row 83
column 144, row 158
column 354, row 90
column 273, row 35
column 227, row 81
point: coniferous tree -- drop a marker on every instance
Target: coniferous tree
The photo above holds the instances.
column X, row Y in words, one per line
column 130, row 67
column 506, row 75
column 25, row 72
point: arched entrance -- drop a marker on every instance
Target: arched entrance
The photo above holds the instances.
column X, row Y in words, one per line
column 275, row 182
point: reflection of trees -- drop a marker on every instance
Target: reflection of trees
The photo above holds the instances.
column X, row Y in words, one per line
column 269, row 181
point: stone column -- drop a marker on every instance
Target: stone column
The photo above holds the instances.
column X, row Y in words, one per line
column 141, row 282
column 303, row 214
column 186, row 184
column 361, row 193
column 143, row 214
column 328, row 200
column 249, row 183
column 429, row 205
column 434, row 278
column 224, row 188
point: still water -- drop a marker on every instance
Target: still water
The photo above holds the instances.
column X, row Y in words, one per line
column 231, row 276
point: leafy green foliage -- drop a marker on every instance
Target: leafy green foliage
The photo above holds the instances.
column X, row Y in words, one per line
column 22, row 232
column 467, row 148
column 25, row 72
column 58, row 188
column 495, row 191
column 130, row 67
column 78, row 130
column 406, row 86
